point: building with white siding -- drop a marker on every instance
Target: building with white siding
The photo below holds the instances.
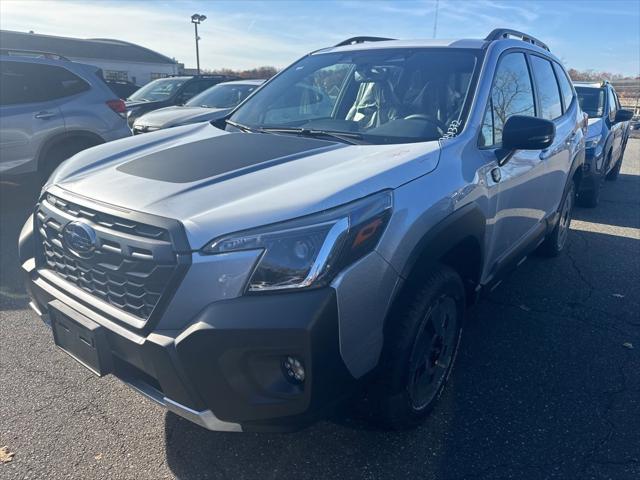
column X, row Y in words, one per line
column 118, row 60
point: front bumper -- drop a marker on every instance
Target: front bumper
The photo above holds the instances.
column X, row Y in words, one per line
column 223, row 371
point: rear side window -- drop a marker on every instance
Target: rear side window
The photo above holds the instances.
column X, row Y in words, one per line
column 548, row 93
column 18, row 84
column 511, row 94
column 565, row 86
column 22, row 83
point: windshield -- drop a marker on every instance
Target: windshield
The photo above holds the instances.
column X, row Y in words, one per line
column 161, row 89
column 382, row 95
column 222, row 96
column 591, row 101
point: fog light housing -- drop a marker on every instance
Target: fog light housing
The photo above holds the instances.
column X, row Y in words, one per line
column 293, row 370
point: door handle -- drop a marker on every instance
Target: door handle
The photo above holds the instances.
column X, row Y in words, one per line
column 44, row 115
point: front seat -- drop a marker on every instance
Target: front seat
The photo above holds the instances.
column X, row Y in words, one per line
column 375, row 105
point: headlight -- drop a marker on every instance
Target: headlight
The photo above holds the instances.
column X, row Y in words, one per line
column 309, row 251
column 593, row 141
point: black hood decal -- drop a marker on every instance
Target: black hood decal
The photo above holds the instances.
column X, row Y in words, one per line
column 222, row 154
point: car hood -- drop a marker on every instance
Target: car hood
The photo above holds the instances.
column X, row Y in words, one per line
column 216, row 182
column 172, row 116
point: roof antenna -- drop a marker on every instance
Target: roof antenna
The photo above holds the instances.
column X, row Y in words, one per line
column 435, row 20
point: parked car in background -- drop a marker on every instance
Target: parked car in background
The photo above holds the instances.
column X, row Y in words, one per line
column 165, row 92
column 123, row 89
column 250, row 276
column 212, row 104
column 50, row 109
column 608, row 132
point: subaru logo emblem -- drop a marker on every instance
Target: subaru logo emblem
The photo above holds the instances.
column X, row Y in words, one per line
column 80, row 238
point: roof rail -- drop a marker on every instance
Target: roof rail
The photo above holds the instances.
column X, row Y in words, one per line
column 499, row 33
column 356, row 40
column 31, row 53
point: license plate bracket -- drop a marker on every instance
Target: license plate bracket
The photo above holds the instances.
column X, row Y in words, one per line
column 81, row 338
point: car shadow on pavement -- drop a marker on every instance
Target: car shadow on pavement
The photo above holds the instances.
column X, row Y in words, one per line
column 17, row 199
column 618, row 204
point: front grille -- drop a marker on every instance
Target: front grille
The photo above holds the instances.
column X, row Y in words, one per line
column 109, row 221
column 131, row 267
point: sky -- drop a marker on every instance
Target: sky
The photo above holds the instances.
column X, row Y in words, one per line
column 603, row 35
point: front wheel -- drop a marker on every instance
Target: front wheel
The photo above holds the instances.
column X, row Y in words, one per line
column 420, row 349
column 557, row 239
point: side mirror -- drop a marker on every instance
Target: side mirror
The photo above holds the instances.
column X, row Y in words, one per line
column 525, row 133
column 623, row 116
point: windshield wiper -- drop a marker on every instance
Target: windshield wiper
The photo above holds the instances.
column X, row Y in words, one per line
column 347, row 137
column 244, row 128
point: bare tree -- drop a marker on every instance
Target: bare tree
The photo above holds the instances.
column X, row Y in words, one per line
column 259, row 72
column 510, row 95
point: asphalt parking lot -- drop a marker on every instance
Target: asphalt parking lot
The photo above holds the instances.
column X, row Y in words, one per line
column 547, row 384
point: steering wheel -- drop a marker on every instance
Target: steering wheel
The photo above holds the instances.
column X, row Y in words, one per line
column 441, row 126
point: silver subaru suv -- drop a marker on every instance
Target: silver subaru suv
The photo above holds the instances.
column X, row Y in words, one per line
column 50, row 109
column 326, row 237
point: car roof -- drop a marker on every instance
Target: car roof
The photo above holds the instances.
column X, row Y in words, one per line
column 501, row 38
column 174, row 77
column 244, row 82
column 75, row 67
column 473, row 43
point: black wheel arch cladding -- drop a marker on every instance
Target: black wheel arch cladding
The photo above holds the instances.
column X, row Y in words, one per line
column 466, row 223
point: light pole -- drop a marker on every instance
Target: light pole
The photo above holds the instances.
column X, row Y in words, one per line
column 435, row 20
column 196, row 19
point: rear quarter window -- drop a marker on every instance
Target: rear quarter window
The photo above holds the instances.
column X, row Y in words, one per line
column 59, row 82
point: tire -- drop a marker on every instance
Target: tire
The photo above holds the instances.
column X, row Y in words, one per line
column 591, row 198
column 421, row 344
column 612, row 176
column 60, row 152
column 557, row 239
